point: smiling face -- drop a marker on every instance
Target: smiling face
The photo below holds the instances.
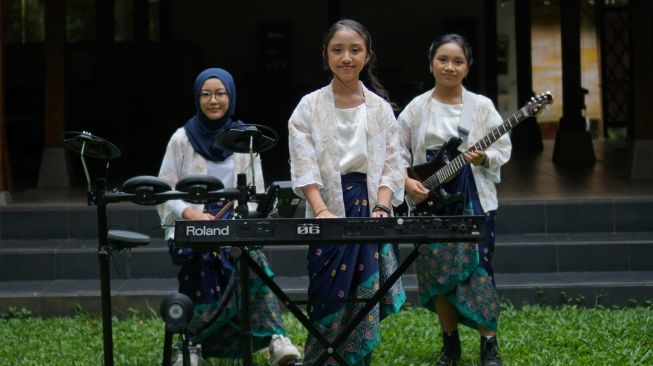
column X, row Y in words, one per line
column 214, row 99
column 347, row 54
column 449, row 66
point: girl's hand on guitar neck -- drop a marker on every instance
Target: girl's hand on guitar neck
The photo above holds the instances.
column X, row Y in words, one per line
column 477, row 158
column 416, row 190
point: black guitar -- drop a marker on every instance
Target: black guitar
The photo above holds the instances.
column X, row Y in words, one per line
column 448, row 162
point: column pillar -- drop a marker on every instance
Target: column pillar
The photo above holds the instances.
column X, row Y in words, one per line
column 573, row 144
column 527, row 135
column 5, row 168
column 491, row 82
column 55, row 169
column 642, row 142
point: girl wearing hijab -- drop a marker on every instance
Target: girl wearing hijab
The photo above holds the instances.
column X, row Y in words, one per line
column 205, row 276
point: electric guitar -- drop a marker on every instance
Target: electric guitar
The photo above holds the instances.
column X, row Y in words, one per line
column 449, row 161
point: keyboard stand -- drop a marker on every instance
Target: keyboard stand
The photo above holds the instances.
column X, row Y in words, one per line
column 244, row 234
column 329, row 348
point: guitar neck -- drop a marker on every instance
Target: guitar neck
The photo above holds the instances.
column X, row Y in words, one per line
column 451, row 169
column 500, row 130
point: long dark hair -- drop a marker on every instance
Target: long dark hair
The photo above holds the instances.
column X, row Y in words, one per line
column 451, row 38
column 370, row 68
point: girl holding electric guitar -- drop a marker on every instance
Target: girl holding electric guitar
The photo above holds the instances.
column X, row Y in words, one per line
column 457, row 280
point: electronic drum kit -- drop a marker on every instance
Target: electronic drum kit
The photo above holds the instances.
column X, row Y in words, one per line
column 176, row 309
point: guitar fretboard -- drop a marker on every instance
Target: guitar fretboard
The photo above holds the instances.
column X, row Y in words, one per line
column 449, row 170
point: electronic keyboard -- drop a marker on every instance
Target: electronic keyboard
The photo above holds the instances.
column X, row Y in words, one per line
column 283, row 231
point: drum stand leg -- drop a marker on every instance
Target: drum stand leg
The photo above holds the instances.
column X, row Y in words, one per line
column 167, row 348
column 104, row 254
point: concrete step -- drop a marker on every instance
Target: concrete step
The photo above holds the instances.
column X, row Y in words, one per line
column 43, row 260
column 573, row 252
column 63, row 297
column 580, row 288
column 575, row 216
column 74, row 222
column 37, row 260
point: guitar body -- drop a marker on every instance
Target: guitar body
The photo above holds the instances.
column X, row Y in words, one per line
column 438, row 199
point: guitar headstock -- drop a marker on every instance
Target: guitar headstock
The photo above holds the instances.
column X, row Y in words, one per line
column 538, row 103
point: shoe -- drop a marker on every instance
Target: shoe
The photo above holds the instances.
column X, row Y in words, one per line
column 282, row 351
column 490, row 352
column 450, row 353
column 445, row 360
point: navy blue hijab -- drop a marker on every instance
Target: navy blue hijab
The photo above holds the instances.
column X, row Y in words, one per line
column 201, row 130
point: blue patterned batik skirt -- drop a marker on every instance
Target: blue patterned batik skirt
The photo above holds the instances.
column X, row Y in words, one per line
column 350, row 271
column 462, row 272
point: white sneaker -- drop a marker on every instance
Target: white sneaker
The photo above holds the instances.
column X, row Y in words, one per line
column 282, row 351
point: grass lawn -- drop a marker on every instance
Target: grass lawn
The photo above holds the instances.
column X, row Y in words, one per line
column 530, row 335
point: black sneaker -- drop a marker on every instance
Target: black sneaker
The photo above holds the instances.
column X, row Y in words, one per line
column 446, row 360
column 490, row 352
column 450, row 353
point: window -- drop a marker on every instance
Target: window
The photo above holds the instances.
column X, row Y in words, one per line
column 24, row 21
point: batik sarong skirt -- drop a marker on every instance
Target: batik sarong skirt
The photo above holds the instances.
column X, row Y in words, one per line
column 346, row 272
column 462, row 272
